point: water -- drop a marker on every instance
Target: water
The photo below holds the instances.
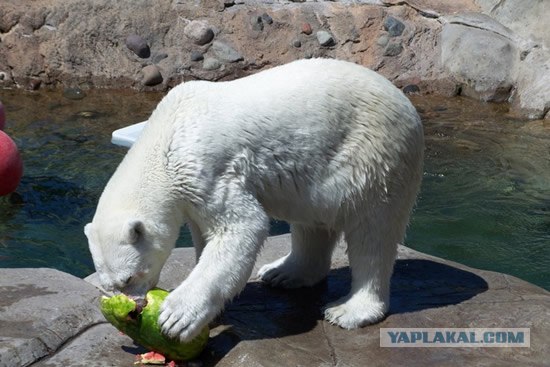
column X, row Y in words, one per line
column 485, row 200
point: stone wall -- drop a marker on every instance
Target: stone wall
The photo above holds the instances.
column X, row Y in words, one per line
column 423, row 46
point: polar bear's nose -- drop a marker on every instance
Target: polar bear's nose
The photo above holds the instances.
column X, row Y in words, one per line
column 126, row 282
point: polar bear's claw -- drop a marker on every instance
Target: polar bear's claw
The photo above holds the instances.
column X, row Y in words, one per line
column 184, row 317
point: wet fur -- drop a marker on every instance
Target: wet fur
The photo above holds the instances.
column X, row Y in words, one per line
column 329, row 146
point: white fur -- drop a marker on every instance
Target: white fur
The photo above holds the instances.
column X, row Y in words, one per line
column 329, row 146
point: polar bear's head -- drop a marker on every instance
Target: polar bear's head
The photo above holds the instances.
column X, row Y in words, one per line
column 128, row 254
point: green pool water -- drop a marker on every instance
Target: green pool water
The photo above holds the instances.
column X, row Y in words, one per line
column 485, row 199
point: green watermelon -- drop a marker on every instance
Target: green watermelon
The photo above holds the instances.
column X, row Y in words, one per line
column 143, row 327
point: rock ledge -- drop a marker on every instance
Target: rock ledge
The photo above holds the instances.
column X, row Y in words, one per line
column 48, row 318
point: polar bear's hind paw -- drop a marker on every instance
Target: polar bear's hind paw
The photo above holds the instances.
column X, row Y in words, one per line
column 352, row 313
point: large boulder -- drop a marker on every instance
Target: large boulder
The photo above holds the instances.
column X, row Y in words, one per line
column 480, row 54
column 532, row 95
column 264, row 326
column 493, row 62
column 40, row 310
column 527, row 18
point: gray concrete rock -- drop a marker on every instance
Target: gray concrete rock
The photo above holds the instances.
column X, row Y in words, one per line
column 211, row 63
column 158, row 57
column 532, row 95
column 325, row 39
column 494, row 63
column 257, row 23
column 480, row 21
column 435, row 8
column 267, row 18
column 102, row 345
column 482, row 61
column 40, row 310
column 199, row 32
column 138, row 46
column 151, row 75
column 264, row 326
column 394, row 26
column 411, row 89
column 527, row 18
column 383, row 40
column 225, row 52
column 196, row 56
column 393, row 49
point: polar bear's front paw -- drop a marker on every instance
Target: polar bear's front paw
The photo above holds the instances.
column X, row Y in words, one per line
column 184, row 317
column 287, row 273
column 354, row 312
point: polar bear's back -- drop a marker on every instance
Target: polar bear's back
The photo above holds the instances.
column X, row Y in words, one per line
column 309, row 133
column 314, row 103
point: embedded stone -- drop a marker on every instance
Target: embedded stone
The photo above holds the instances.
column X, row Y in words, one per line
column 325, row 38
column 138, row 45
column 257, row 23
column 196, row 56
column 211, row 63
column 225, row 52
column 151, row 75
column 267, row 18
column 199, row 32
column 306, row 29
column 158, row 57
column 411, row 88
column 483, row 61
column 394, row 26
column 393, row 49
column 383, row 40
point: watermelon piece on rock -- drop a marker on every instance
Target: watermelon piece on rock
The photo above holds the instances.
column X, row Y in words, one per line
column 141, row 324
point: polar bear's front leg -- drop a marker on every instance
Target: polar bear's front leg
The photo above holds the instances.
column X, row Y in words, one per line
column 222, row 271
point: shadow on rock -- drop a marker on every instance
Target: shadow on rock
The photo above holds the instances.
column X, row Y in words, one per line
column 419, row 284
column 261, row 312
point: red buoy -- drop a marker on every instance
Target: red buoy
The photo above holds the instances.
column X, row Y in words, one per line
column 11, row 165
column 2, row 116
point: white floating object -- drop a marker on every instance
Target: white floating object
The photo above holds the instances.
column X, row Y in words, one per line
column 127, row 136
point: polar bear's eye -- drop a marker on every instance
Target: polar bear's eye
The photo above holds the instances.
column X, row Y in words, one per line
column 127, row 280
column 133, row 231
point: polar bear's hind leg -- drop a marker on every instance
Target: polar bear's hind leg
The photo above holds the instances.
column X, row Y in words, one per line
column 372, row 241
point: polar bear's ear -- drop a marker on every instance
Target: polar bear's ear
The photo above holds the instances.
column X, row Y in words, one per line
column 133, row 230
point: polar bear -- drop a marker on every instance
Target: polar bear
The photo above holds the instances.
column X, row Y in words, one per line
column 329, row 146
